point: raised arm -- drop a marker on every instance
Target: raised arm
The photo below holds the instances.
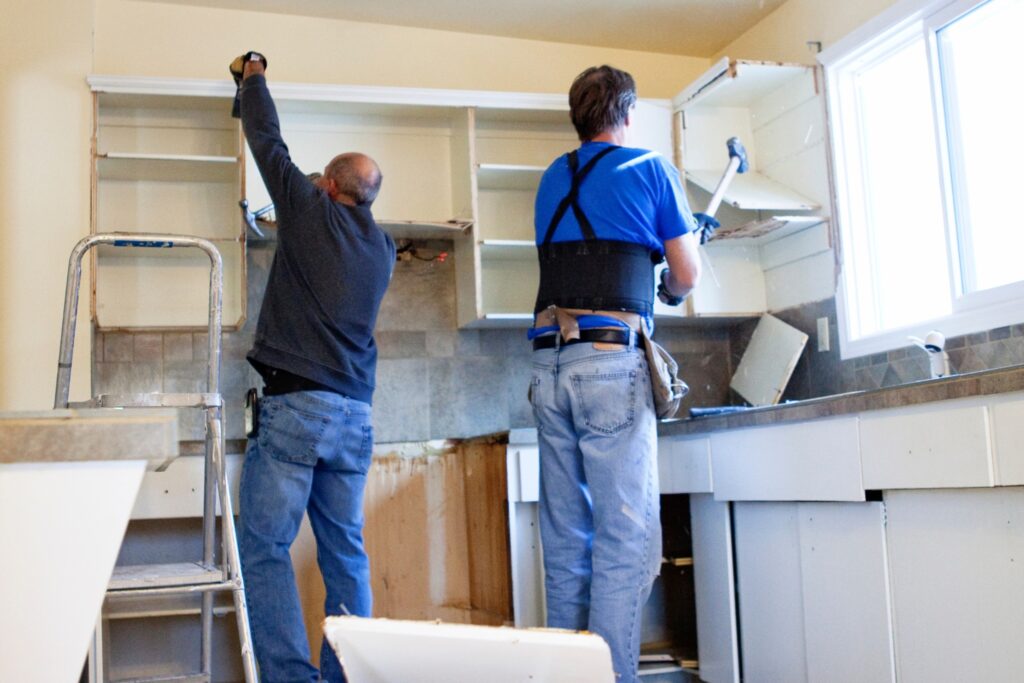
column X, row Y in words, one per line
column 288, row 186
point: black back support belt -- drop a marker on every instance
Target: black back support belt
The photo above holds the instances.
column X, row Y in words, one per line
column 593, row 273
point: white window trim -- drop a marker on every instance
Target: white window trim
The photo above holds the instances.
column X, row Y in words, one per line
column 975, row 312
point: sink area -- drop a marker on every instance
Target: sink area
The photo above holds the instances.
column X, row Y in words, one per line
column 979, row 383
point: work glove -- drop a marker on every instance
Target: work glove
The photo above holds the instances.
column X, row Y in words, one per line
column 664, row 295
column 237, row 69
column 706, row 226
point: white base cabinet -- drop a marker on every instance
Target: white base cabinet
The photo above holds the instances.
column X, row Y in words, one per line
column 813, row 592
column 957, row 562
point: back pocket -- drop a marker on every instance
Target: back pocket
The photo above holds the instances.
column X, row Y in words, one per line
column 607, row 400
column 290, row 434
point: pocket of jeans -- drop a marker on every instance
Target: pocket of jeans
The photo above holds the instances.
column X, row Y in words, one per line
column 290, row 434
column 607, row 400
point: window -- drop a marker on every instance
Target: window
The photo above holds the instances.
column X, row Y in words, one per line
column 922, row 107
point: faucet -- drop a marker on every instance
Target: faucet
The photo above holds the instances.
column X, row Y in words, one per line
column 934, row 343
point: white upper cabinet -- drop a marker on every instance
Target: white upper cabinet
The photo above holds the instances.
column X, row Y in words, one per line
column 165, row 163
column 761, row 258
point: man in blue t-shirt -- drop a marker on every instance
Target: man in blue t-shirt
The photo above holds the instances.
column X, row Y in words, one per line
column 604, row 215
column 314, row 347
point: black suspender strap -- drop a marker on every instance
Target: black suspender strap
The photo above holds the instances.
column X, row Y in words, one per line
column 572, row 199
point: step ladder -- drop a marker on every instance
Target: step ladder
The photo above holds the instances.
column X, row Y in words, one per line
column 206, row 576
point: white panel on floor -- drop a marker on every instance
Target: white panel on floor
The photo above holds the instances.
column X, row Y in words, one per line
column 846, row 593
column 770, row 592
column 715, row 589
column 432, row 652
column 1008, row 429
column 957, row 571
column 817, row 460
column 684, row 464
column 61, row 526
column 930, row 446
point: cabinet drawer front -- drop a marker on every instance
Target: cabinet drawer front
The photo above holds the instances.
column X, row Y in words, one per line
column 1008, row 429
column 684, row 465
column 804, row 461
column 926, row 448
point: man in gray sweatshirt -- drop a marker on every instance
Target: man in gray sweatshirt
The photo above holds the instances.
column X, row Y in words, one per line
column 314, row 347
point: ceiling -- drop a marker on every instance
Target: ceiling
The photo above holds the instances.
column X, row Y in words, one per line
column 697, row 28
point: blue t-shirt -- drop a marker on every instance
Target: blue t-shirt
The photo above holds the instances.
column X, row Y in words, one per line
column 631, row 195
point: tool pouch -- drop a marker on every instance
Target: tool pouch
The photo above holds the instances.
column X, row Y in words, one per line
column 669, row 390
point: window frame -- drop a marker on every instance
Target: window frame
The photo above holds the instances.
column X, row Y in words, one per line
column 970, row 312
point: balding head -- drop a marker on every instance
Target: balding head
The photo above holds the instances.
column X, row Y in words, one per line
column 352, row 178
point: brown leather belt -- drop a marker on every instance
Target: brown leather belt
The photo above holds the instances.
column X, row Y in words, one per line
column 549, row 341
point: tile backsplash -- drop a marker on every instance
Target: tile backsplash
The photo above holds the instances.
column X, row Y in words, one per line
column 435, row 381
column 825, row 373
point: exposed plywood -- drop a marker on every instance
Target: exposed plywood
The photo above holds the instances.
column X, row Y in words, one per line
column 437, row 535
column 485, row 486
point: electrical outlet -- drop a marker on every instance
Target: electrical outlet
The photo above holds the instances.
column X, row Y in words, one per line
column 823, row 339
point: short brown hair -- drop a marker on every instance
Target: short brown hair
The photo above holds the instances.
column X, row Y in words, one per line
column 600, row 99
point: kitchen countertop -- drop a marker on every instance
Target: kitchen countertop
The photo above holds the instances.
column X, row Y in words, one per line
column 89, row 434
column 997, row 381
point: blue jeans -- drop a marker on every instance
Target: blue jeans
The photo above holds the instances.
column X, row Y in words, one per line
column 599, row 507
column 311, row 454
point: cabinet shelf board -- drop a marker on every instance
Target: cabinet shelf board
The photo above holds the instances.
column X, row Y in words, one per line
column 721, row 86
column 425, row 230
column 768, row 229
column 752, row 191
column 508, row 249
column 398, row 229
column 167, row 167
column 509, row 176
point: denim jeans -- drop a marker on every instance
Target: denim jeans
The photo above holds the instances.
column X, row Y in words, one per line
column 599, row 507
column 311, row 454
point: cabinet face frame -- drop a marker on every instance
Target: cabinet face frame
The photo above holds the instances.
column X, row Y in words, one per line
column 232, row 239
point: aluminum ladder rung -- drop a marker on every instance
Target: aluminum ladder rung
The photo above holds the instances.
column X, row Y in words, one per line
column 152, row 400
column 146, row 576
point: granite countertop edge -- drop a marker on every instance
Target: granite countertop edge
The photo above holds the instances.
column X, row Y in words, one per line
column 999, row 381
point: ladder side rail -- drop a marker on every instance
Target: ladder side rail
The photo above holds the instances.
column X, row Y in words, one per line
column 73, row 286
column 69, row 322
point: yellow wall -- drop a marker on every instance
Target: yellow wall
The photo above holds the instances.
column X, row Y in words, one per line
column 782, row 35
column 45, row 125
column 152, row 39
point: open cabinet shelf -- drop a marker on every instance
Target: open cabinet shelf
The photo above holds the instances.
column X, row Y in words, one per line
column 167, row 167
column 752, row 191
column 165, row 163
column 509, row 176
column 766, row 214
